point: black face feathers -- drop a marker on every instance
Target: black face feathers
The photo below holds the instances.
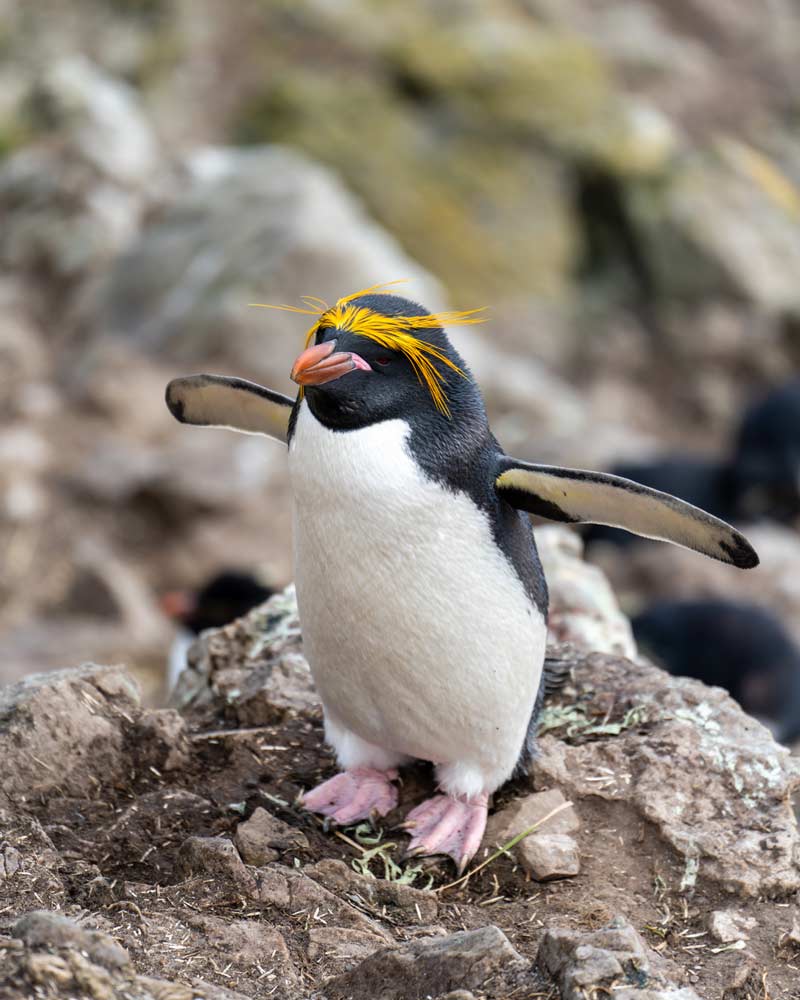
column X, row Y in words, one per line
column 396, row 324
column 415, row 370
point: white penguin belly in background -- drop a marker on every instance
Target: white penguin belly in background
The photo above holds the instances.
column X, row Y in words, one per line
column 421, row 637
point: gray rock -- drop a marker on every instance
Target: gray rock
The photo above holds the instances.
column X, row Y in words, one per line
column 105, row 118
column 55, row 728
column 262, row 838
column 341, row 944
column 613, row 959
column 726, row 926
column 254, row 666
column 215, row 857
column 10, row 861
column 522, row 813
column 725, row 228
column 549, row 855
column 583, row 608
column 550, row 852
column 428, row 968
column 164, row 739
column 304, row 899
column 710, row 779
column 42, row 929
column 71, row 203
column 251, row 225
column 248, row 943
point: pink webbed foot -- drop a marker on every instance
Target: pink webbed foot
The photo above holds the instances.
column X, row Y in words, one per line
column 445, row 825
column 353, row 795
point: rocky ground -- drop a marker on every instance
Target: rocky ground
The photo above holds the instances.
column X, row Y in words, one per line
column 161, row 853
column 619, row 181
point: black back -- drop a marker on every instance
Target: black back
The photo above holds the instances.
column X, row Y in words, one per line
column 225, row 597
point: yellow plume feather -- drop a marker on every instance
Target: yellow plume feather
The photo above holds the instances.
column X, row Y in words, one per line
column 395, row 333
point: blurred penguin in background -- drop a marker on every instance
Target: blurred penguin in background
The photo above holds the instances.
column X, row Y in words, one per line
column 223, row 598
column 760, row 480
column 740, row 647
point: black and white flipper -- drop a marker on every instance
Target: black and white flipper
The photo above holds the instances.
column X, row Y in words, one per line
column 576, row 496
column 233, row 403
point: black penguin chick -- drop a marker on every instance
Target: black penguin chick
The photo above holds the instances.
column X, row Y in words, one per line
column 225, row 597
column 737, row 646
column 766, row 466
column 421, row 595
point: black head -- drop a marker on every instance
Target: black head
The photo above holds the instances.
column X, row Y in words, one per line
column 366, row 365
column 225, row 597
column 767, row 460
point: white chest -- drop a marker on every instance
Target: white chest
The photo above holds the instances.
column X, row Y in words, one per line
column 420, row 635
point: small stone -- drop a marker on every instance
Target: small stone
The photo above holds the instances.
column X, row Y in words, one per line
column 549, row 855
column 246, row 942
column 213, row 856
column 793, row 935
column 272, row 888
column 261, row 838
column 163, row 734
column 586, row 963
column 428, row 967
column 308, row 896
column 742, row 972
column 341, row 943
column 726, row 926
column 10, row 861
column 520, row 814
column 42, row 929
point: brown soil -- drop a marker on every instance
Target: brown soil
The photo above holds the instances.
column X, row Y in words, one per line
column 118, row 867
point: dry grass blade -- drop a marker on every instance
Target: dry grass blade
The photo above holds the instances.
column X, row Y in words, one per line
column 506, row 847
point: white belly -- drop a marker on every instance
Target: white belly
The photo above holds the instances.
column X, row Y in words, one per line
column 419, row 633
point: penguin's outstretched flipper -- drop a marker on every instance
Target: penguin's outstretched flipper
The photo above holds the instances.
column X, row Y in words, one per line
column 222, row 401
column 577, row 496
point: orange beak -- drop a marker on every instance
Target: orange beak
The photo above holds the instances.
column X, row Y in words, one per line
column 318, row 364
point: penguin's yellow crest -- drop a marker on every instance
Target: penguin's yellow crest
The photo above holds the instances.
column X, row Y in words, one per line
column 395, row 333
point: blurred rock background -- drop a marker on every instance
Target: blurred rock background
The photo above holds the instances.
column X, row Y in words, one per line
column 618, row 179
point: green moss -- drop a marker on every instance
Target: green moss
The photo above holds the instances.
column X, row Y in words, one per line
column 458, row 132
column 15, row 132
column 484, row 218
column 529, row 83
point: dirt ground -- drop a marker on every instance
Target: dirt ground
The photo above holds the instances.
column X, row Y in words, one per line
column 118, row 860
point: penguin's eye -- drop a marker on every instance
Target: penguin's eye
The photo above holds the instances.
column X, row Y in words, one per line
column 383, row 360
